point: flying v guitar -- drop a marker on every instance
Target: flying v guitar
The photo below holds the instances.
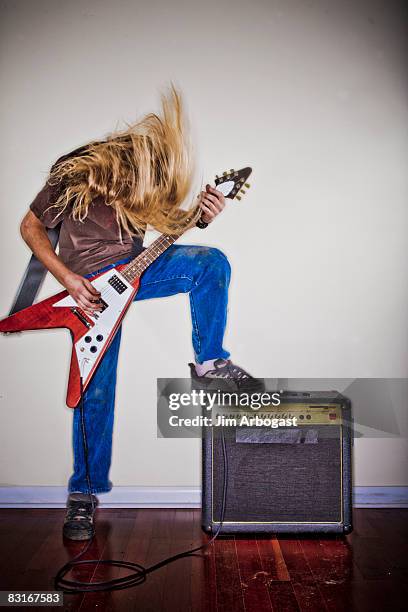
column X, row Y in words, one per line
column 92, row 334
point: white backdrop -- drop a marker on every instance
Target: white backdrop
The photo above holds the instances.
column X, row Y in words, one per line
column 313, row 96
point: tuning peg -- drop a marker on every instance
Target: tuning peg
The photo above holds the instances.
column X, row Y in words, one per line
column 247, row 185
column 216, row 176
column 224, row 173
column 232, row 170
column 239, row 198
column 243, row 191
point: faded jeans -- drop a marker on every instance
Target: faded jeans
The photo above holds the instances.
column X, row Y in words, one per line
column 203, row 273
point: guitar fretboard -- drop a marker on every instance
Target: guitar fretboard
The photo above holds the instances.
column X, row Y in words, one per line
column 138, row 265
column 230, row 184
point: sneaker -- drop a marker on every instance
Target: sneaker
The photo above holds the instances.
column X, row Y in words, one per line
column 78, row 523
column 226, row 376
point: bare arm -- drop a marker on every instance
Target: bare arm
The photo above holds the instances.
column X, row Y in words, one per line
column 80, row 289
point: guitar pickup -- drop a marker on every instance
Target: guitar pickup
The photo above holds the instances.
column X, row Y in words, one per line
column 117, row 284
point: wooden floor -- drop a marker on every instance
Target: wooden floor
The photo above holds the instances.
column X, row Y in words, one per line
column 366, row 571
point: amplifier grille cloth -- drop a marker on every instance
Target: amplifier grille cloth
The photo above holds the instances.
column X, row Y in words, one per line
column 280, row 482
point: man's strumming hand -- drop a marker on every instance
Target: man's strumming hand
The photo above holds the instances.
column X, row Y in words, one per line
column 83, row 292
column 212, row 202
column 80, row 289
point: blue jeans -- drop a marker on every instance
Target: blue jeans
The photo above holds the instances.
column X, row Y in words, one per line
column 202, row 272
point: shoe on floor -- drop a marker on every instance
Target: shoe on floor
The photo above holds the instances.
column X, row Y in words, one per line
column 79, row 519
column 226, row 376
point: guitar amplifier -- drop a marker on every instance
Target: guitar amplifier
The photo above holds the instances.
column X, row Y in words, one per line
column 285, row 479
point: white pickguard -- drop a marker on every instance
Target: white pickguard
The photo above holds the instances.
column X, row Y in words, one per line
column 115, row 294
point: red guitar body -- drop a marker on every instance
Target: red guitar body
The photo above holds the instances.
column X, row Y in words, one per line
column 91, row 334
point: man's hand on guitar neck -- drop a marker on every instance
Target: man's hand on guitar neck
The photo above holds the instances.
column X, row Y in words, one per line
column 78, row 287
column 212, row 202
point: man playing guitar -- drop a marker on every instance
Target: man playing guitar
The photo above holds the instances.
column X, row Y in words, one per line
column 104, row 195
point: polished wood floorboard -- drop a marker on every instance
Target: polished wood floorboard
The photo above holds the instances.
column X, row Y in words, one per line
column 366, row 571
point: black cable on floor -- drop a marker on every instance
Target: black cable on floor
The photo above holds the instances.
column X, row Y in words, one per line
column 138, row 573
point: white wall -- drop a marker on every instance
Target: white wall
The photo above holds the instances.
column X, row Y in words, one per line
column 312, row 94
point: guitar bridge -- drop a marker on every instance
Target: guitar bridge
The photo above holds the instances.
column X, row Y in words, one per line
column 81, row 317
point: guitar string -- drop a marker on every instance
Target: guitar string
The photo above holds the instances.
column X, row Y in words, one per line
column 162, row 243
column 140, row 263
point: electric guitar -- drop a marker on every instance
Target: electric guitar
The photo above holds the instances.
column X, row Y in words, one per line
column 93, row 333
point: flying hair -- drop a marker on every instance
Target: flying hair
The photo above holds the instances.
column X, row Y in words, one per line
column 143, row 172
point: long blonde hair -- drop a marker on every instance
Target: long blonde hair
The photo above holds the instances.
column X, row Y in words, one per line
column 144, row 172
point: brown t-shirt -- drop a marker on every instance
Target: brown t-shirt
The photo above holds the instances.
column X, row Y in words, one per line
column 91, row 244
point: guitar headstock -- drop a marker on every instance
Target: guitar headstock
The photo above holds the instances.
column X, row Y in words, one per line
column 232, row 183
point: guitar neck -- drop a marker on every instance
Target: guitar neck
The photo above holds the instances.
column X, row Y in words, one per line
column 139, row 264
column 230, row 184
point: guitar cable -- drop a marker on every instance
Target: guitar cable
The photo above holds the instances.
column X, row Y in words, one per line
column 138, row 573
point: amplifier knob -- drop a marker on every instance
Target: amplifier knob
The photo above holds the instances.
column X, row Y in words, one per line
column 88, row 338
column 99, row 337
column 93, row 349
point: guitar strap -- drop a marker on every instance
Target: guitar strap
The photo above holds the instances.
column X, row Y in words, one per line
column 33, row 276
